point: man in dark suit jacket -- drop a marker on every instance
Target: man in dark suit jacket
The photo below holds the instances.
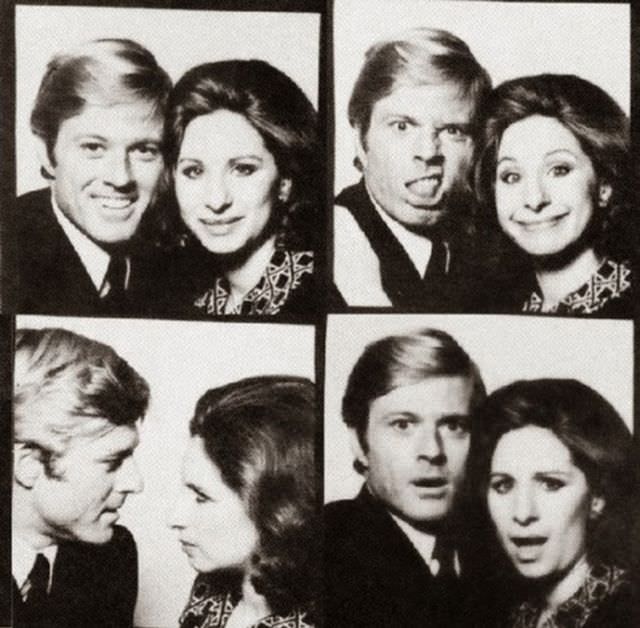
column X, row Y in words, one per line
column 76, row 410
column 402, row 235
column 396, row 554
column 99, row 142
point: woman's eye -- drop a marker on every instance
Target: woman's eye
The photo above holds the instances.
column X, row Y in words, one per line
column 552, row 484
column 560, row 170
column 509, row 177
column 501, row 485
column 457, row 426
column 454, row 131
column 401, row 425
column 244, row 170
column 191, row 172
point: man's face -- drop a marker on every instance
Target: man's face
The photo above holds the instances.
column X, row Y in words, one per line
column 416, row 152
column 107, row 168
column 93, row 479
column 418, row 439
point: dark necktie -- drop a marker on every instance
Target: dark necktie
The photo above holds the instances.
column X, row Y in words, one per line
column 38, row 582
column 444, row 553
column 437, row 266
column 116, row 277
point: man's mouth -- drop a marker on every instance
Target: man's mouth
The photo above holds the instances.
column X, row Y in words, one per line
column 115, row 202
column 430, row 482
column 427, row 185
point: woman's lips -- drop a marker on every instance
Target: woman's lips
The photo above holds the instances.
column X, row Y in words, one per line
column 528, row 548
column 219, row 226
column 540, row 225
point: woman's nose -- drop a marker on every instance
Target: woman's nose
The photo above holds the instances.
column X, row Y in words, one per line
column 175, row 514
column 525, row 509
column 218, row 194
column 536, row 196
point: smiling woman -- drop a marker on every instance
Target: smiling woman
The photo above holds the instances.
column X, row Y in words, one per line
column 553, row 174
column 553, row 460
column 243, row 149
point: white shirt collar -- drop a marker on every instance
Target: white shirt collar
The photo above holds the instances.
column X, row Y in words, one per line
column 425, row 544
column 93, row 257
column 417, row 247
column 23, row 557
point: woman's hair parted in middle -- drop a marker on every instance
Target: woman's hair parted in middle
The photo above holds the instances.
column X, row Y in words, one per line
column 278, row 110
column 591, row 115
column 599, row 442
column 260, row 432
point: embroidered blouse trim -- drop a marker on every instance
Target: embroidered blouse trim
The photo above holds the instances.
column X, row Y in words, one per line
column 609, row 282
column 284, row 273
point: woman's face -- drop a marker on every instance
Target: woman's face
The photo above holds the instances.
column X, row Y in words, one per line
column 544, row 186
column 225, row 180
column 539, row 502
column 213, row 525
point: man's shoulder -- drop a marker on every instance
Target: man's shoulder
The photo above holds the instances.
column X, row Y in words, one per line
column 121, row 547
column 36, row 200
column 34, row 217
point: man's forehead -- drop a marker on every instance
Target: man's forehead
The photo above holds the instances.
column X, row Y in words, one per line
column 125, row 121
column 433, row 99
column 108, row 439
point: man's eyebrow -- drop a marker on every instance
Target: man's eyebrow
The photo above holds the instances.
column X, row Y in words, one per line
column 196, row 489
column 120, row 453
column 90, row 136
column 454, row 417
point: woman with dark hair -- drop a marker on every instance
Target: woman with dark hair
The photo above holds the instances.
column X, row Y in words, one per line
column 248, row 515
column 243, row 148
column 553, row 175
column 553, row 462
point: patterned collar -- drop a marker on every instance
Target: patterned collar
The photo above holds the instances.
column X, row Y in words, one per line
column 601, row 582
column 208, row 609
column 284, row 273
column 610, row 281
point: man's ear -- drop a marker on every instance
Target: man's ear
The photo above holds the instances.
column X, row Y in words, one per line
column 361, row 151
column 46, row 167
column 27, row 465
column 357, row 450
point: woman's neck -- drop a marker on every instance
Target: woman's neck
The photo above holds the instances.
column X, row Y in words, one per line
column 556, row 284
column 251, row 608
column 568, row 585
column 243, row 279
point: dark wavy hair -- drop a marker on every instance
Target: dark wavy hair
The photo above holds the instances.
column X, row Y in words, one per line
column 283, row 116
column 260, row 432
column 600, row 444
column 403, row 360
column 598, row 123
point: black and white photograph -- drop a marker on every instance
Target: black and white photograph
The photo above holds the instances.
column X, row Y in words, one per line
column 167, row 161
column 482, row 157
column 319, row 313
column 479, row 471
column 165, row 471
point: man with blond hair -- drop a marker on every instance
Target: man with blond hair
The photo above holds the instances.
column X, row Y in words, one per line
column 76, row 406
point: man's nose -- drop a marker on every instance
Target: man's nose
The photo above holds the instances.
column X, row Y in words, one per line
column 430, row 446
column 536, row 195
column 525, row 509
column 427, row 144
column 218, row 194
column 118, row 169
column 129, row 478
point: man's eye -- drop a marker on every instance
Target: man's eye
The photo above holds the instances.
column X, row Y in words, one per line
column 453, row 131
column 401, row 425
column 399, row 125
column 146, row 152
column 114, row 464
column 93, row 149
column 457, row 426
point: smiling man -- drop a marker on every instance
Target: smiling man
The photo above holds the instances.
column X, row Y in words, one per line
column 77, row 406
column 401, row 234
column 393, row 557
column 98, row 120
